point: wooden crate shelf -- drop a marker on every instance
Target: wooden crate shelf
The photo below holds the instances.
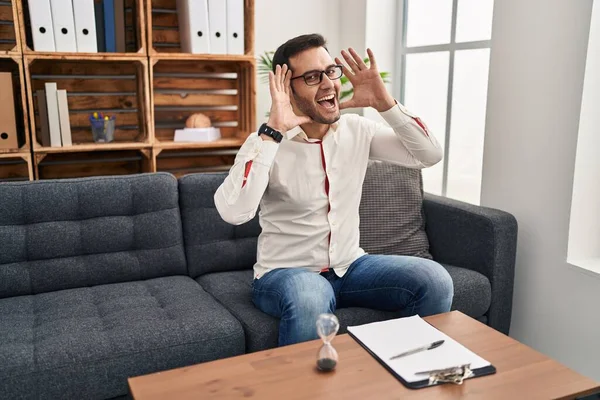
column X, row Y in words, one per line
column 14, row 64
column 9, row 28
column 83, row 164
column 135, row 29
column 93, row 147
column 111, row 86
column 180, row 162
column 163, row 27
column 220, row 90
column 16, row 167
column 152, row 89
column 222, row 143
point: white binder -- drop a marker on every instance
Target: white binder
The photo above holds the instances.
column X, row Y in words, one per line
column 53, row 118
column 40, row 17
column 85, row 26
column 194, row 31
column 235, row 26
column 64, row 25
column 217, row 21
column 63, row 114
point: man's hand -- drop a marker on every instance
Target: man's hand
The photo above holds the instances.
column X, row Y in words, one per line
column 282, row 116
column 369, row 88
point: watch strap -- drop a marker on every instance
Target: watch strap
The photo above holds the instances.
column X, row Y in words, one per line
column 267, row 130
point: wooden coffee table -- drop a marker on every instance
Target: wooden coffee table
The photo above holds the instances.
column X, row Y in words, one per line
column 289, row 373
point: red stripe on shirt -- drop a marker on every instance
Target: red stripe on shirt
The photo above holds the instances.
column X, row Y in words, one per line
column 421, row 124
column 326, row 268
column 247, row 172
column 320, row 143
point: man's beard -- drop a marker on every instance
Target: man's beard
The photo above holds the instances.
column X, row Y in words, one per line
column 309, row 109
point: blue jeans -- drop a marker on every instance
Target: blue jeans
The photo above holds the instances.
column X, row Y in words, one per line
column 297, row 296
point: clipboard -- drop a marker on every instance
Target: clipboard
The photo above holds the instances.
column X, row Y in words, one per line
column 455, row 373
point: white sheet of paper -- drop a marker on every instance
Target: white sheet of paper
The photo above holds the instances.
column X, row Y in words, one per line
column 388, row 338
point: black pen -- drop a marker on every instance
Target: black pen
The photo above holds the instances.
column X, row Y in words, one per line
column 419, row 349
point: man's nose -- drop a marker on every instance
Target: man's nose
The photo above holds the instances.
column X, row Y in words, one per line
column 326, row 83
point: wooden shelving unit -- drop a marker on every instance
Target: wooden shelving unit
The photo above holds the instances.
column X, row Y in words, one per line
column 151, row 89
column 92, row 163
column 16, row 167
column 10, row 42
column 182, row 161
column 163, row 27
column 114, row 85
column 219, row 86
column 182, row 86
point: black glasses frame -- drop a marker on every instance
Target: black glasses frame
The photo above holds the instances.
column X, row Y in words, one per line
column 338, row 67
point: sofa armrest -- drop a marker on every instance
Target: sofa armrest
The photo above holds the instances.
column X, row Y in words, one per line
column 480, row 239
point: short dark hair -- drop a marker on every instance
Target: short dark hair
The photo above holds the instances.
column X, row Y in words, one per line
column 297, row 45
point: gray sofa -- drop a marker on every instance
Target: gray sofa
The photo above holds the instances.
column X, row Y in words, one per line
column 111, row 277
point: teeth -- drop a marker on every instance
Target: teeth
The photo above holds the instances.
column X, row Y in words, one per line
column 330, row 97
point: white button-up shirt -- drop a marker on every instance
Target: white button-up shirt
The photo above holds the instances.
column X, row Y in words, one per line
column 309, row 191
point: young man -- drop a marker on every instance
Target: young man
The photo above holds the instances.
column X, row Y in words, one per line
column 305, row 168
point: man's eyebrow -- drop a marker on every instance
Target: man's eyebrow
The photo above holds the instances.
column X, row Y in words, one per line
column 318, row 70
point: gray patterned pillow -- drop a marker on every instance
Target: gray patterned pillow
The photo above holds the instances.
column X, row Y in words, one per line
column 391, row 211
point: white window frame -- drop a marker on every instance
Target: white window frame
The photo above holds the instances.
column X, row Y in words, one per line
column 452, row 48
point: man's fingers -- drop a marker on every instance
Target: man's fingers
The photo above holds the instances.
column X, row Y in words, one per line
column 286, row 79
column 372, row 61
column 272, row 83
column 287, row 83
column 345, row 70
column 357, row 59
column 351, row 63
column 284, row 71
column 277, row 79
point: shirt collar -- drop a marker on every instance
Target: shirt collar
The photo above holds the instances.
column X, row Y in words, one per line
column 289, row 135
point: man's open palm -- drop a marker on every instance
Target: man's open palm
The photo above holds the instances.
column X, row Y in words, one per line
column 369, row 88
column 282, row 115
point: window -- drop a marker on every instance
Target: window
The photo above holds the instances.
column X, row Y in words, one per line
column 584, row 227
column 443, row 78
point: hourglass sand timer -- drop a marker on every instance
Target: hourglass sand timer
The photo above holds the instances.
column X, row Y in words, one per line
column 327, row 328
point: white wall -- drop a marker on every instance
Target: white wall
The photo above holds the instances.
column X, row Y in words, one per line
column 278, row 21
column 537, row 68
column 381, row 36
column 584, row 234
column 353, row 24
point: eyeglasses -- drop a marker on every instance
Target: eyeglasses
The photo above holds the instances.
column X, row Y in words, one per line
column 312, row 78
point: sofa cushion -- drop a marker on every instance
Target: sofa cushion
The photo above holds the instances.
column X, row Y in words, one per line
column 62, row 234
column 391, row 211
column 211, row 244
column 234, row 291
column 84, row 343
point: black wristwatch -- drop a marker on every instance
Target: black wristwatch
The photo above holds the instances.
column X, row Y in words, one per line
column 270, row 132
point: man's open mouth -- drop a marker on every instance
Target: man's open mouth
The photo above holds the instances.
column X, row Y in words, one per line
column 327, row 101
